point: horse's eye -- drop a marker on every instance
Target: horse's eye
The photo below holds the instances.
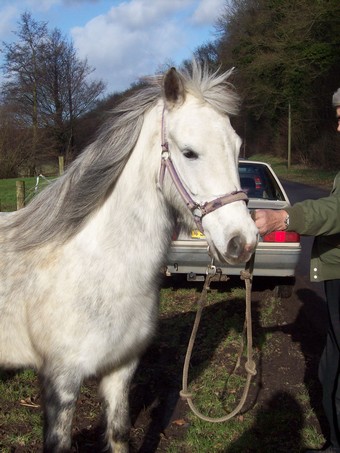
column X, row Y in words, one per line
column 190, row 154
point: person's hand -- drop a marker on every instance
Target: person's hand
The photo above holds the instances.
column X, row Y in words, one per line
column 268, row 220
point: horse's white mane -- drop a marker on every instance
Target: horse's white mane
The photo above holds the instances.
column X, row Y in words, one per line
column 61, row 209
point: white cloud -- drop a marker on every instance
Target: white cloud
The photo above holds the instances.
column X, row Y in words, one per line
column 208, row 11
column 131, row 40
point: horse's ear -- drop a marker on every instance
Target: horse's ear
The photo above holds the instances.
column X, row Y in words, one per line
column 173, row 88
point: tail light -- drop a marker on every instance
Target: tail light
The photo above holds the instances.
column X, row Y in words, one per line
column 281, row 236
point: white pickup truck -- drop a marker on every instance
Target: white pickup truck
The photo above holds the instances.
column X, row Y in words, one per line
column 276, row 255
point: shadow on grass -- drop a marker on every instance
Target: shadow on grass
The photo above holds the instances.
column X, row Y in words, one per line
column 277, row 428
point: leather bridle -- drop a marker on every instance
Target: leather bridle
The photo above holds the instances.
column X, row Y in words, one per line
column 197, row 209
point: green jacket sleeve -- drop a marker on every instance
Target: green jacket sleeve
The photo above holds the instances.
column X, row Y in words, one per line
column 317, row 217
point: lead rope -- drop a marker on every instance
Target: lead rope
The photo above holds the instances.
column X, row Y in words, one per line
column 247, row 276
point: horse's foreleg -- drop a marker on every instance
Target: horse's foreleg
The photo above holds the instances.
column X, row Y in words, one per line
column 60, row 393
column 114, row 388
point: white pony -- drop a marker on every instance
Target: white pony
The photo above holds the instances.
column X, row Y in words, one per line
column 80, row 265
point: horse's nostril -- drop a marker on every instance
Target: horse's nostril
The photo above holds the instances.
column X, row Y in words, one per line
column 238, row 249
column 235, row 247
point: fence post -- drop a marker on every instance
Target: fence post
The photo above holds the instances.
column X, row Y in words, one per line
column 61, row 165
column 20, row 194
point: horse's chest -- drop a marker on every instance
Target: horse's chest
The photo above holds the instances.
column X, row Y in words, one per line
column 124, row 333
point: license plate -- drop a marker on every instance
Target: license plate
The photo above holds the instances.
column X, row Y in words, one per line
column 196, row 234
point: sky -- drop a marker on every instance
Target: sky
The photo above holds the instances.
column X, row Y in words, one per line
column 122, row 39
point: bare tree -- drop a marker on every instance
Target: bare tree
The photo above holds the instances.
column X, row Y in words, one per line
column 22, row 73
column 66, row 92
column 48, row 86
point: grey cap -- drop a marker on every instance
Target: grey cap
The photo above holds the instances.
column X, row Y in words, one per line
column 336, row 98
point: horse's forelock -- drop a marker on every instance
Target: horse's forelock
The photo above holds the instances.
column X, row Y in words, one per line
column 213, row 87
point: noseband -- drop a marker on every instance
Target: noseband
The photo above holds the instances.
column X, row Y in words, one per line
column 198, row 210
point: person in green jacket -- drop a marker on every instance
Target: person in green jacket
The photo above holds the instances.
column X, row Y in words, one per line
column 320, row 218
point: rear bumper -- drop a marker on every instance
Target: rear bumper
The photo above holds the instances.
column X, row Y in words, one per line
column 271, row 260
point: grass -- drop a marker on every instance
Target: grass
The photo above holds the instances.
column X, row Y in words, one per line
column 217, row 388
column 213, row 392
column 17, row 392
column 299, row 173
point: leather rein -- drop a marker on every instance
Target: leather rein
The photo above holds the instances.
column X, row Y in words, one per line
column 198, row 211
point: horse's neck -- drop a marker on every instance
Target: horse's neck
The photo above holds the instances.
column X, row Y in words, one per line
column 134, row 213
